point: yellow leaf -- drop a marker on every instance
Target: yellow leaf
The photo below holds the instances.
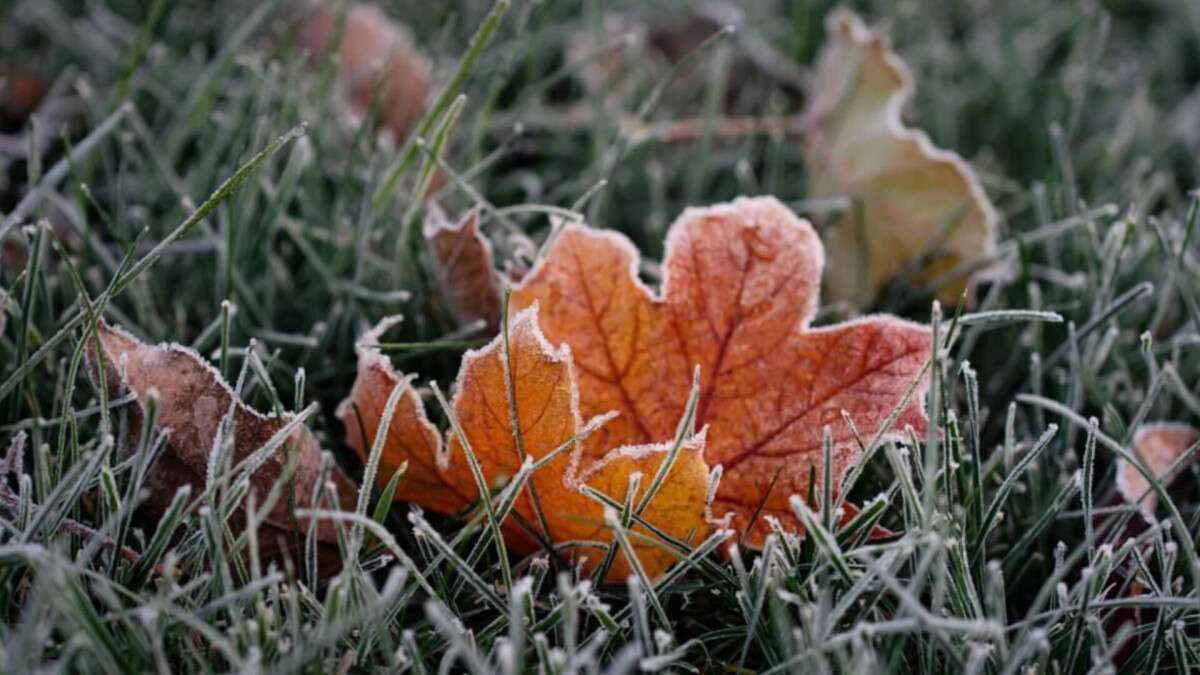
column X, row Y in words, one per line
column 910, row 202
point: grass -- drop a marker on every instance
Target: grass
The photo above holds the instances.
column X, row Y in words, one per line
column 202, row 185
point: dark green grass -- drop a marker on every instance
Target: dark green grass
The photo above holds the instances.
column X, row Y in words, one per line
column 211, row 193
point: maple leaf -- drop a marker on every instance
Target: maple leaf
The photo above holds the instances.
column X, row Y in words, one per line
column 546, row 401
column 1158, row 445
column 192, row 402
column 378, row 63
column 411, row 437
column 466, row 267
column 740, row 287
column 908, row 198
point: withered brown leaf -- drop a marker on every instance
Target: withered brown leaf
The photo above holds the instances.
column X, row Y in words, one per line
column 465, row 266
column 191, row 401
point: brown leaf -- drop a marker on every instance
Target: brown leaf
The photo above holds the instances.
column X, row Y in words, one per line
column 192, row 402
column 547, row 413
column 908, row 198
column 465, row 265
column 20, row 93
column 740, row 287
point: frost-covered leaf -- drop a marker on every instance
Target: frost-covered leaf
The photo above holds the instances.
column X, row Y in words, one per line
column 1158, row 445
column 466, row 267
column 908, row 199
column 740, row 287
column 378, row 64
column 548, row 418
column 411, row 436
column 192, row 401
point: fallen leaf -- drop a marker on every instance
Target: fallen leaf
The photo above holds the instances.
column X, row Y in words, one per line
column 465, row 265
column 740, row 287
column 15, row 251
column 378, row 62
column 547, row 409
column 20, row 93
column 192, row 402
column 908, row 198
column 411, row 437
column 1158, row 445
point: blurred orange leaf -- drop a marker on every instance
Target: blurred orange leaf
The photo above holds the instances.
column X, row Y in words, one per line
column 378, row 64
column 908, row 199
column 192, row 401
column 1158, row 445
column 545, row 402
column 740, row 287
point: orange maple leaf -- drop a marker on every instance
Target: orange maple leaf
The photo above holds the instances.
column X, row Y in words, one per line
column 191, row 403
column 910, row 199
column 740, row 287
column 465, row 266
column 1158, row 445
column 546, row 402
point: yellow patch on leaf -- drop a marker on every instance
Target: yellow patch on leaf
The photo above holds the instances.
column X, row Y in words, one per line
column 740, row 287
column 1158, row 445
column 908, row 199
column 546, row 400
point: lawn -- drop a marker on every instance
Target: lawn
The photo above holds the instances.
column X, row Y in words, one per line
column 241, row 179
